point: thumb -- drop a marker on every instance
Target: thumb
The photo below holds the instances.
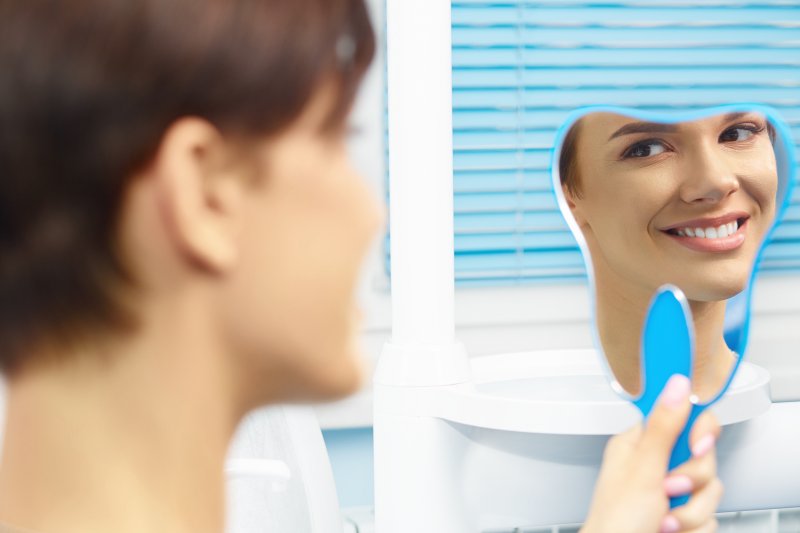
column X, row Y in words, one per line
column 667, row 420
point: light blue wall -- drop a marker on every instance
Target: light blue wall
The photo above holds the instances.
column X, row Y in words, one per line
column 350, row 452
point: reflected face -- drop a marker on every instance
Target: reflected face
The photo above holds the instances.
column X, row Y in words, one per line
column 686, row 203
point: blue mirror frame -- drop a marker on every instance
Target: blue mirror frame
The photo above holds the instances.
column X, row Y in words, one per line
column 786, row 170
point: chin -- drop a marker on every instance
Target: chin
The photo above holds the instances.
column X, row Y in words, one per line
column 340, row 389
column 339, row 380
column 715, row 290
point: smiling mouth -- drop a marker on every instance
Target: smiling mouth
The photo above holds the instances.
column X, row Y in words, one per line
column 709, row 232
column 711, row 238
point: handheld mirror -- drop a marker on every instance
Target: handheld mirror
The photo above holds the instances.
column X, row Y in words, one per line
column 671, row 213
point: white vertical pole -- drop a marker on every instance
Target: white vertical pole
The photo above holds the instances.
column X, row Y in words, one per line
column 415, row 455
column 421, row 170
column 421, row 194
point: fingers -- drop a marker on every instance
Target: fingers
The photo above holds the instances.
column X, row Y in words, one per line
column 622, row 444
column 694, row 474
column 667, row 419
column 698, row 512
column 705, row 433
column 701, row 469
column 709, row 527
column 630, row 436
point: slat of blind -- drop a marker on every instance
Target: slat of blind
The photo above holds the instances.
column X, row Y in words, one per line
column 509, row 201
column 478, row 181
column 520, row 67
column 515, row 221
column 645, row 16
column 505, row 242
column 557, row 258
column 550, row 118
column 510, row 98
column 671, row 55
column 644, row 78
column 639, row 4
column 659, row 37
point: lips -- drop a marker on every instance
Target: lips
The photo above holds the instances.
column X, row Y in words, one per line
column 717, row 234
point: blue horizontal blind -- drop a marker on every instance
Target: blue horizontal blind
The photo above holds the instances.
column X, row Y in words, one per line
column 519, row 67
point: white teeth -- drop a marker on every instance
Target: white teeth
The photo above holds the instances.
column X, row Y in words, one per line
column 725, row 230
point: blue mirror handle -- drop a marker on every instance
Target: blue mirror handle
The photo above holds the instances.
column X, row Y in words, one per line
column 668, row 349
column 682, row 451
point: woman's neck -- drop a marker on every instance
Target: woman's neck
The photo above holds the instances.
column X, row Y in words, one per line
column 124, row 440
column 621, row 310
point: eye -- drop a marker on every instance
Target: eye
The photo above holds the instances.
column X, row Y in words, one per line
column 644, row 149
column 739, row 133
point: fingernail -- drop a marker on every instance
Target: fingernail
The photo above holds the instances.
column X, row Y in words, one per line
column 676, row 391
column 678, row 485
column 670, row 524
column 703, row 446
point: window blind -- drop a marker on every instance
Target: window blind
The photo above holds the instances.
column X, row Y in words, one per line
column 520, row 67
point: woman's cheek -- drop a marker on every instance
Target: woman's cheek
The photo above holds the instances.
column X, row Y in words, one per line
column 763, row 187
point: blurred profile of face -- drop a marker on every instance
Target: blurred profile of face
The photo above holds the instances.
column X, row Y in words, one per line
column 686, row 203
column 289, row 306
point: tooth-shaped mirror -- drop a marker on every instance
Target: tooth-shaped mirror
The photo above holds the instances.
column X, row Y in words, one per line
column 686, row 200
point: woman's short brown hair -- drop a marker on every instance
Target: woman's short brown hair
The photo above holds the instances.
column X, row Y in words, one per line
column 568, row 161
column 87, row 89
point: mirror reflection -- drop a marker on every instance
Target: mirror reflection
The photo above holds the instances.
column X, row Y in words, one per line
column 687, row 203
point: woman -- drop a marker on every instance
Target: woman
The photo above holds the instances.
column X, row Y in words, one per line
column 687, row 203
column 181, row 235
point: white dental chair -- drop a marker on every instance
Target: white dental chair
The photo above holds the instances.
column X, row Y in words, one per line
column 279, row 478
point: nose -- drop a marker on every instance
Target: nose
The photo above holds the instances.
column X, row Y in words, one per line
column 708, row 177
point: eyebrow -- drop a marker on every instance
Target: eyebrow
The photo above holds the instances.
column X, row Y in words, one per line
column 660, row 127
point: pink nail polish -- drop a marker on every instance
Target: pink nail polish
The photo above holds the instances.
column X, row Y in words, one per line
column 676, row 391
column 670, row 524
column 678, row 485
column 703, row 446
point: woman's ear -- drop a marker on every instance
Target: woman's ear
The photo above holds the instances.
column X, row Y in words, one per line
column 200, row 192
column 574, row 206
